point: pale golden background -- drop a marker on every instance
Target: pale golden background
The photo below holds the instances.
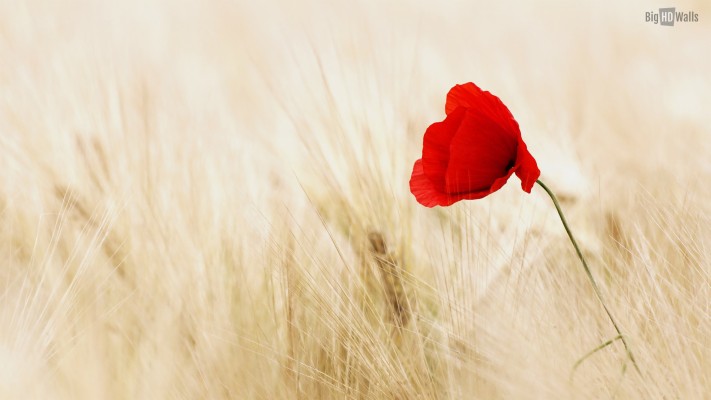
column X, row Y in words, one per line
column 210, row 200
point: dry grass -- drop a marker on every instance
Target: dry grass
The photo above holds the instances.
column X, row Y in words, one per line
column 211, row 201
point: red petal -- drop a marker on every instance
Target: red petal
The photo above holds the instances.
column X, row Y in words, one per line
column 480, row 153
column 435, row 149
column 423, row 188
column 470, row 96
column 527, row 168
column 427, row 195
column 466, row 95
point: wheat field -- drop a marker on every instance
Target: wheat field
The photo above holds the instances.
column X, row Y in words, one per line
column 210, row 201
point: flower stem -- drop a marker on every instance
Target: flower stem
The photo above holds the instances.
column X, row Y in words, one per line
column 590, row 276
column 593, row 351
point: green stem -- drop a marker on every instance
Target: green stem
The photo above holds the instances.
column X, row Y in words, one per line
column 593, row 351
column 589, row 274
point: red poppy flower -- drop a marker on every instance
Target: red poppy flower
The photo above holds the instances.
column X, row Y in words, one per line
column 473, row 152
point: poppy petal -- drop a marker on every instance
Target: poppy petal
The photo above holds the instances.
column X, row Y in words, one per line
column 472, row 97
column 422, row 187
column 436, row 147
column 496, row 185
column 527, row 169
column 426, row 194
column 480, row 153
column 466, row 95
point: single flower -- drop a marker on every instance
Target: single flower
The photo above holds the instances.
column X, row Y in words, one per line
column 473, row 152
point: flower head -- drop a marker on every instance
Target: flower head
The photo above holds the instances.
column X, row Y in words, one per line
column 473, row 152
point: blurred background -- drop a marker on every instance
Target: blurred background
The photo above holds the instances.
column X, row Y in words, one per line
column 210, row 200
